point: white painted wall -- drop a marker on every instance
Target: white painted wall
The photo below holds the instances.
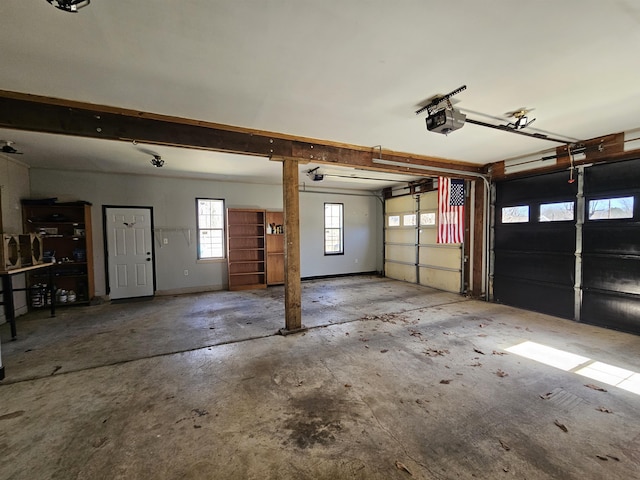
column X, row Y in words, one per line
column 14, row 186
column 173, row 203
column 362, row 235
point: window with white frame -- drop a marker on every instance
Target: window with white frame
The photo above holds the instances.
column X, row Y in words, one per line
column 333, row 228
column 210, row 228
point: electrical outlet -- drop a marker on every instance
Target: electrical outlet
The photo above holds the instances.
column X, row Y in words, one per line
column 165, row 241
column 186, row 272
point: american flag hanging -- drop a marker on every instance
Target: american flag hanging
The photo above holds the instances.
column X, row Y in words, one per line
column 450, row 210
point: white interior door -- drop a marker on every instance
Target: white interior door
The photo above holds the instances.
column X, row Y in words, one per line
column 129, row 253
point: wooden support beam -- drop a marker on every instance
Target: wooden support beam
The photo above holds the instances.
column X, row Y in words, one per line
column 21, row 111
column 292, row 286
column 608, row 148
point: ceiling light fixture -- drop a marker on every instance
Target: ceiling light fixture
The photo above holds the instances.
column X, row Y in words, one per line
column 70, row 6
column 157, row 161
column 9, row 148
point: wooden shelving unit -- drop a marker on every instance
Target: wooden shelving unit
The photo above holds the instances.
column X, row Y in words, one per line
column 246, row 249
column 65, row 229
column 275, row 248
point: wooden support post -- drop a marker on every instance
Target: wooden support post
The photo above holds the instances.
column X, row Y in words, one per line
column 292, row 287
column 478, row 240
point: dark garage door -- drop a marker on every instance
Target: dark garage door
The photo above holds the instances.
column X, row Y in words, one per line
column 534, row 261
column 540, row 249
column 611, row 246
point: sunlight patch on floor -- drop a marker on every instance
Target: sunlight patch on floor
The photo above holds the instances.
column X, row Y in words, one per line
column 587, row 367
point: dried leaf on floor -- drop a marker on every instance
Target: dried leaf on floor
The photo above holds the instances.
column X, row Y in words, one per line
column 403, row 467
column 347, row 385
column 595, row 387
column 415, row 333
column 505, row 469
column 384, row 350
column 495, row 352
column 504, row 445
column 546, row 396
column 602, row 457
column 561, row 426
column 366, row 346
column 500, row 373
column 613, row 458
column 434, row 352
column 446, row 382
column 478, row 351
column 604, row 409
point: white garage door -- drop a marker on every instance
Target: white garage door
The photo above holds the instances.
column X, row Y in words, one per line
column 412, row 253
column 400, row 239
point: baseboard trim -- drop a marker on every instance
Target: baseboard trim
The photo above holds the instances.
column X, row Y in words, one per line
column 338, row 275
column 185, row 290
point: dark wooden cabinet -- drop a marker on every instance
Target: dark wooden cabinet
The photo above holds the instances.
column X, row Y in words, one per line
column 65, row 230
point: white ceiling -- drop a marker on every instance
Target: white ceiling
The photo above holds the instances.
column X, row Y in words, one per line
column 351, row 72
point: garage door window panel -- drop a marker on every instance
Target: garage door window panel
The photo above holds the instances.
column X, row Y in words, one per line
column 610, row 208
column 557, row 212
column 515, row 214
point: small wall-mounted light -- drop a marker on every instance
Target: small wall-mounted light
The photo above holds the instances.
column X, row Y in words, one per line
column 157, row 161
column 314, row 175
column 70, row 6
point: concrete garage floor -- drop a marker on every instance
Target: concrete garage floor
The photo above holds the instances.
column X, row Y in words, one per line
column 391, row 381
